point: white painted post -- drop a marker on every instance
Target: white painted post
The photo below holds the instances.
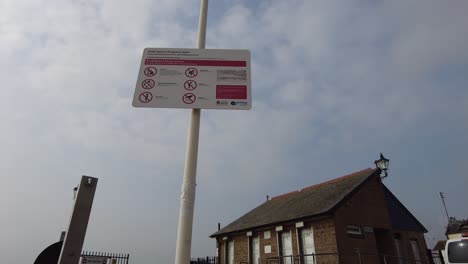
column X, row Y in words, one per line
column 187, row 197
column 75, row 235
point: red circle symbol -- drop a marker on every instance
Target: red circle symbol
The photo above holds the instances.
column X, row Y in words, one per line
column 84, row 260
column 145, row 97
column 148, row 84
column 190, row 85
column 150, row 71
column 189, row 98
column 191, row 72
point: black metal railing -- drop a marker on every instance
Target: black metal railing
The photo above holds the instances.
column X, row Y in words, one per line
column 356, row 257
column 351, row 257
column 204, row 260
column 112, row 258
column 437, row 257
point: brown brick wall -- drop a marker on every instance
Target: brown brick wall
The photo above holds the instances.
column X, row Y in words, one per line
column 324, row 240
column 406, row 237
column 324, row 236
column 221, row 249
column 267, row 242
column 241, row 248
column 365, row 208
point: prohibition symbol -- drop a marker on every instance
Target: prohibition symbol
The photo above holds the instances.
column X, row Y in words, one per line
column 145, row 97
column 150, row 71
column 190, row 85
column 189, row 98
column 148, row 84
column 191, row 72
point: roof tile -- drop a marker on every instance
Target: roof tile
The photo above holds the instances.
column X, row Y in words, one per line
column 306, row 202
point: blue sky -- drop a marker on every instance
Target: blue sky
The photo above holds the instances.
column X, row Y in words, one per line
column 334, row 84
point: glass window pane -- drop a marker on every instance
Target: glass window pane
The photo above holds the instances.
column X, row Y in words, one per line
column 458, row 251
column 398, row 250
column 255, row 250
column 286, row 247
column 230, row 252
column 415, row 249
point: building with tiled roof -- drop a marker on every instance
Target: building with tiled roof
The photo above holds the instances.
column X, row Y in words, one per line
column 326, row 223
column 456, row 228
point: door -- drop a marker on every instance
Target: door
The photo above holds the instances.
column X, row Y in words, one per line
column 399, row 250
column 255, row 250
column 308, row 246
column 286, row 244
column 230, row 252
column 415, row 249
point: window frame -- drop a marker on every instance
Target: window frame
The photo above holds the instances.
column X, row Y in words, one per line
column 354, row 231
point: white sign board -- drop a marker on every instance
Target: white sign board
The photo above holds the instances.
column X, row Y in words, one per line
column 93, row 260
column 194, row 78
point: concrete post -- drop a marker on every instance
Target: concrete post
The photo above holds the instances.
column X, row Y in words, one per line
column 74, row 237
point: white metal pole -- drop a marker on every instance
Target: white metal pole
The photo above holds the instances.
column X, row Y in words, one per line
column 187, row 197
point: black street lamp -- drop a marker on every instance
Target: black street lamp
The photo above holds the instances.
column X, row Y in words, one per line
column 382, row 164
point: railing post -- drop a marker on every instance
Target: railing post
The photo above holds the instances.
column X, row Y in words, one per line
column 384, row 259
column 359, row 256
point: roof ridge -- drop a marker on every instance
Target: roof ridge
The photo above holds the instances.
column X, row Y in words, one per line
column 323, row 183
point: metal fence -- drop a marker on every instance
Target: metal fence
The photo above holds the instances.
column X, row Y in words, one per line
column 355, row 257
column 112, row 258
column 437, row 257
column 349, row 258
column 205, row 260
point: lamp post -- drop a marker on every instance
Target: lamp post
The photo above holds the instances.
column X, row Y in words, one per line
column 382, row 164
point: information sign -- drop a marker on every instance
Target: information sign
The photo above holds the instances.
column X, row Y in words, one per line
column 194, row 78
column 93, row 260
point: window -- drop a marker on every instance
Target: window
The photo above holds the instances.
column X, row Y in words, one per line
column 398, row 248
column 457, row 251
column 286, row 247
column 307, row 244
column 255, row 250
column 354, row 231
column 229, row 258
column 415, row 249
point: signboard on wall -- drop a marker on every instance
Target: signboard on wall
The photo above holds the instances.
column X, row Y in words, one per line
column 93, row 260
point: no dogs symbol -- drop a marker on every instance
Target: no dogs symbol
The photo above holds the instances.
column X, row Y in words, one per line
column 189, row 98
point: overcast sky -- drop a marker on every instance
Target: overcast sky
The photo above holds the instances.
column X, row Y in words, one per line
column 334, row 84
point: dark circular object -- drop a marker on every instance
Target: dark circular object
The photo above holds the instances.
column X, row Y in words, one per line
column 50, row 255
